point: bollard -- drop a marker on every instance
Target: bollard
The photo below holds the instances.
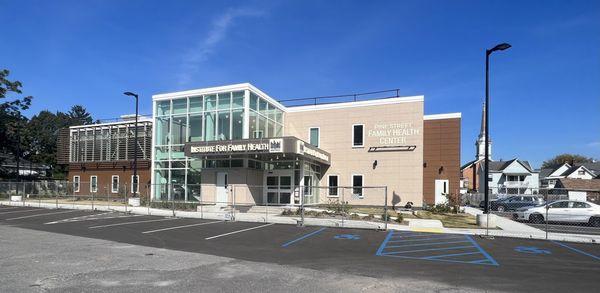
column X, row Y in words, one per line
column 385, row 210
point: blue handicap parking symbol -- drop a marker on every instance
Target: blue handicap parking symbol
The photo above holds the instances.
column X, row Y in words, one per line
column 347, row 236
column 532, row 250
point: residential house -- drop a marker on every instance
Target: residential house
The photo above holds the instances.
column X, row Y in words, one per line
column 580, row 189
column 549, row 176
column 510, row 177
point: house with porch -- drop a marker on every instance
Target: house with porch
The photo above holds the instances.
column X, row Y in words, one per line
column 510, row 177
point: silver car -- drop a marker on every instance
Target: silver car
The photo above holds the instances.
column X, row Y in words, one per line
column 567, row 211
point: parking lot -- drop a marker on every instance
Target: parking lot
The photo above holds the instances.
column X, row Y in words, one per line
column 464, row 261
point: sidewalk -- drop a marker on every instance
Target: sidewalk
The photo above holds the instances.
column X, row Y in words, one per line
column 513, row 229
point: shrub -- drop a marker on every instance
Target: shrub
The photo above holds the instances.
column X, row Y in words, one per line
column 399, row 218
column 337, row 207
column 439, row 208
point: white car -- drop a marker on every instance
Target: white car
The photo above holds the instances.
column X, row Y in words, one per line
column 567, row 211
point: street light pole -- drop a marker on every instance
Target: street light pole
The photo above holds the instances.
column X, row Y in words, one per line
column 500, row 47
column 135, row 146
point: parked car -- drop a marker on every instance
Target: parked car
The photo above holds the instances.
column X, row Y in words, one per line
column 567, row 211
column 514, row 202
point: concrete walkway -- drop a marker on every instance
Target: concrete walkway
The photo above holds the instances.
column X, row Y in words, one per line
column 509, row 228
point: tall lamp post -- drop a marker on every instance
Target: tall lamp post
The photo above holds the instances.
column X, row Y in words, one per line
column 500, row 47
column 135, row 145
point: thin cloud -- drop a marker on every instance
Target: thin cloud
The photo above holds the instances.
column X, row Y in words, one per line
column 593, row 144
column 216, row 34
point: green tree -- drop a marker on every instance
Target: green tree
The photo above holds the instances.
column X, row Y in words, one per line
column 12, row 121
column 80, row 116
column 566, row 158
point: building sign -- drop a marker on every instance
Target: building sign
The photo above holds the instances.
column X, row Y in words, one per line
column 393, row 133
column 311, row 151
column 285, row 145
column 268, row 146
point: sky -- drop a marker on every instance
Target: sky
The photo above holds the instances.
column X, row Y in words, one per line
column 545, row 90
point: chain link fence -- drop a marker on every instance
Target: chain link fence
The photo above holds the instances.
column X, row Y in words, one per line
column 541, row 211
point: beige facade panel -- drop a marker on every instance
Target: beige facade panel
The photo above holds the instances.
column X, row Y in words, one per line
column 384, row 125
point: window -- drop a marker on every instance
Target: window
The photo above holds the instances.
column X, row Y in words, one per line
column 307, row 185
column 358, row 135
column 93, row 183
column 135, row 184
column 333, row 185
column 580, row 205
column 357, row 184
column 114, row 187
column 76, row 181
column 560, row 204
column 314, row 136
column 581, row 172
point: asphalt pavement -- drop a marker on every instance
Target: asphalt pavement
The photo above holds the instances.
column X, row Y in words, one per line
column 456, row 261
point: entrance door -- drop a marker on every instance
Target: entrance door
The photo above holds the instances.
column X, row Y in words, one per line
column 278, row 187
column 441, row 190
column 221, row 188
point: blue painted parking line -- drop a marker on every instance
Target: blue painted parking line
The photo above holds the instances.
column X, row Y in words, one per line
column 427, row 239
column 421, row 244
column 302, row 237
column 577, row 250
column 434, row 247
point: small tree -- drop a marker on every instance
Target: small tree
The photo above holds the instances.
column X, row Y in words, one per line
column 566, row 158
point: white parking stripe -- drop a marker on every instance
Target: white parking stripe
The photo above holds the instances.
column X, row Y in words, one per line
column 39, row 215
column 94, row 217
column 179, row 227
column 129, row 223
column 238, row 231
column 2, row 213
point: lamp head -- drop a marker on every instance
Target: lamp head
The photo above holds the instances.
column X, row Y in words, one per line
column 499, row 47
column 130, row 94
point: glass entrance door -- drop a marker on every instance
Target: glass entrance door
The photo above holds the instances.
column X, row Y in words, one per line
column 278, row 189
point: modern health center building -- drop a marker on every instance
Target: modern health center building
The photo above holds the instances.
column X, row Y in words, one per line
column 207, row 140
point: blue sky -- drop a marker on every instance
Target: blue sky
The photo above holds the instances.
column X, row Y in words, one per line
column 545, row 90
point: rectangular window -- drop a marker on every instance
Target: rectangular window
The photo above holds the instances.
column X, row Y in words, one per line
column 357, row 184
column 333, row 185
column 195, row 128
column 314, row 136
column 179, row 106
column 76, row 181
column 196, row 104
column 358, row 135
column 135, row 184
column 93, row 183
column 223, row 125
column 114, row 187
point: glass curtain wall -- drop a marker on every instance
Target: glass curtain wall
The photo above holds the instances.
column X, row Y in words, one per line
column 266, row 120
column 191, row 119
column 210, row 117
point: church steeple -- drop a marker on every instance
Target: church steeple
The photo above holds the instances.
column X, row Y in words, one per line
column 479, row 144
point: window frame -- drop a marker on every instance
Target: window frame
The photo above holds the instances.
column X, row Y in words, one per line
column 91, row 181
column 138, row 183
column 318, row 135
column 329, row 187
column 76, row 180
column 362, row 145
column 362, row 194
column 112, row 182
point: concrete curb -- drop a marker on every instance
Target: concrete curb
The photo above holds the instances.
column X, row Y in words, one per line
column 260, row 218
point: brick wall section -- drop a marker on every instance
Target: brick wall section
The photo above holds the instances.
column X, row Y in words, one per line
column 441, row 148
column 105, row 171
